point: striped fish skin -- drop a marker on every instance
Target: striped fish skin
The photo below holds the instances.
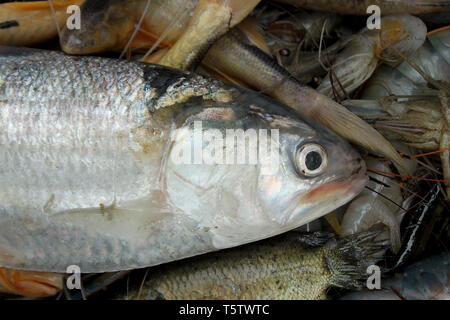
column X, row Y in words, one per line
column 87, row 176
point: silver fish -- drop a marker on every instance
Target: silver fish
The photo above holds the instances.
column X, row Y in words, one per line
column 89, row 175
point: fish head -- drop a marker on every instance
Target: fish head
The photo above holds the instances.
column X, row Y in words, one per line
column 317, row 173
column 254, row 169
column 104, row 25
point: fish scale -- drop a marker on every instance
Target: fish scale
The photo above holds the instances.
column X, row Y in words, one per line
column 88, row 177
column 281, row 268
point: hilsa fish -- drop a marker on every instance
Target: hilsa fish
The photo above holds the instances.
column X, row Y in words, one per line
column 292, row 266
column 90, row 175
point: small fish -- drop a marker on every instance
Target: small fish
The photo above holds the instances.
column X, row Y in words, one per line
column 367, row 49
column 111, row 25
column 210, row 20
column 233, row 57
column 106, row 164
column 286, row 267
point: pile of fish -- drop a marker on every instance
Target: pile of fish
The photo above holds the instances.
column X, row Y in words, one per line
column 224, row 149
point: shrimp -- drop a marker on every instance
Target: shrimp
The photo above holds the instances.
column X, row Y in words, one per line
column 371, row 207
column 303, row 27
column 418, row 122
column 358, row 61
column 432, row 58
column 422, row 122
column 287, row 38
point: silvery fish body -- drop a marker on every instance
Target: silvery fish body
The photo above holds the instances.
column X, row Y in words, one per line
column 91, row 175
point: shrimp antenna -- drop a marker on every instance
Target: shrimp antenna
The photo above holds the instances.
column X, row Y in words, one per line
column 379, row 182
column 383, row 196
column 55, row 18
column 180, row 14
column 138, row 26
column 138, row 297
column 384, row 173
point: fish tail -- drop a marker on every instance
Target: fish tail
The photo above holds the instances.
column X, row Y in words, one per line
column 350, row 257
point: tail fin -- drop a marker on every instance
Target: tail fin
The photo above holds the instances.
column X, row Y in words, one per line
column 348, row 258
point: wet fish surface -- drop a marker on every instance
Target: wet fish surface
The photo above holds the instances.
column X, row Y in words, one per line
column 89, row 177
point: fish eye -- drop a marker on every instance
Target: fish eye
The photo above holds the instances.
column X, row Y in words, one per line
column 311, row 160
column 284, row 52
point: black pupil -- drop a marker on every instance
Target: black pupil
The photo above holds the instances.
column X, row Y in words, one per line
column 313, row 160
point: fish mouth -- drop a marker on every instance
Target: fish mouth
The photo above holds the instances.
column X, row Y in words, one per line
column 329, row 196
column 353, row 184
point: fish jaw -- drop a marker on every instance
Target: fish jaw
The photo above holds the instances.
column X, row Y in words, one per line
column 241, row 204
column 328, row 197
column 313, row 197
